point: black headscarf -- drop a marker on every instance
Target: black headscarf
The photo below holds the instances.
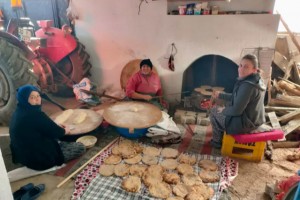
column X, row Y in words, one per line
column 23, row 95
column 146, row 62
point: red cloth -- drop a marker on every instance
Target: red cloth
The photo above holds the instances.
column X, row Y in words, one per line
column 146, row 84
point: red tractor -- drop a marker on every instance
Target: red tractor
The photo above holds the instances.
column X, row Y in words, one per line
column 53, row 59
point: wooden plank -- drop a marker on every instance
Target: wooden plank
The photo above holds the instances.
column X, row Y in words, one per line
column 291, row 126
column 290, row 100
column 296, row 85
column 274, row 108
column 286, row 144
column 289, row 116
column 274, row 121
column 295, row 74
column 277, row 102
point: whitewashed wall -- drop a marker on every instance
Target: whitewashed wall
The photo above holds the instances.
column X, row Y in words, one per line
column 114, row 34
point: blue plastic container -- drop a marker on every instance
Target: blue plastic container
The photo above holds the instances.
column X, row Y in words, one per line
column 132, row 134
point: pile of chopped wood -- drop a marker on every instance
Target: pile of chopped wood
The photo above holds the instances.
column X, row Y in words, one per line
column 284, row 91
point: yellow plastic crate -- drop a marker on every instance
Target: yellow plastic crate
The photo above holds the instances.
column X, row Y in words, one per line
column 253, row 151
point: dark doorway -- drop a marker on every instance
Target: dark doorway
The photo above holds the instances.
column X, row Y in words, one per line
column 213, row 70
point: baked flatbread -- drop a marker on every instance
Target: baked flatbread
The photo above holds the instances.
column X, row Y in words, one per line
column 194, row 196
column 155, row 170
column 208, row 165
column 132, row 184
column 153, row 175
column 137, row 170
column 169, row 163
column 121, row 169
column 206, row 191
column 126, row 149
column 106, row 170
column 185, row 169
column 113, row 160
column 209, row 176
column 151, row 151
column 191, row 179
column 180, row 190
column 160, row 190
column 187, row 159
column 136, row 159
column 150, row 160
column 171, row 178
column 169, row 153
column 115, row 150
column 175, row 198
column 151, row 180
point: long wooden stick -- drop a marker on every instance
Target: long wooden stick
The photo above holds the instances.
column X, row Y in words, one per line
column 290, row 33
column 85, row 164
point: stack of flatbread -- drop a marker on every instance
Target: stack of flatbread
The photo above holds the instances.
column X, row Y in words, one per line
column 165, row 173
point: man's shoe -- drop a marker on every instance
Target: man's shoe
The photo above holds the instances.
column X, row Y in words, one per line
column 20, row 192
column 34, row 193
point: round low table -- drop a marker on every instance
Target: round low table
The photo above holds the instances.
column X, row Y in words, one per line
column 91, row 122
column 132, row 118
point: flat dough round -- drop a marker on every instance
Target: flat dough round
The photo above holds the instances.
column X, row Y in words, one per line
column 169, row 153
column 171, row 178
column 160, row 190
column 208, row 176
column 208, row 165
column 121, row 169
column 180, row 190
column 169, row 163
column 113, row 160
column 64, row 116
column 134, row 160
column 194, row 196
column 191, row 179
column 81, row 116
column 187, row 159
column 137, row 170
column 150, row 160
column 151, row 151
column 132, row 184
column 106, row 170
column 185, row 169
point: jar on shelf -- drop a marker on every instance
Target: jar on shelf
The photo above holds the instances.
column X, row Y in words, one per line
column 182, row 10
column 214, row 10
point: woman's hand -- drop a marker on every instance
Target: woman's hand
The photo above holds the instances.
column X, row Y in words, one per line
column 147, row 97
column 67, row 130
column 220, row 109
column 216, row 94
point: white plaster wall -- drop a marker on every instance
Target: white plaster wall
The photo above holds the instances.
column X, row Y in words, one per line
column 114, row 34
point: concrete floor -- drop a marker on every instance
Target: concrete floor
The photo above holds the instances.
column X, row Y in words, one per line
column 51, row 192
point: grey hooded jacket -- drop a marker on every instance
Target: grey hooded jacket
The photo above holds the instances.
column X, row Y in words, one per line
column 246, row 109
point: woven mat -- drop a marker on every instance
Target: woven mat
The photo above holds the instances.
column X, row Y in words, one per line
column 90, row 185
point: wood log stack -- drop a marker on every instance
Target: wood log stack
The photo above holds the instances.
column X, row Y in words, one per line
column 284, row 90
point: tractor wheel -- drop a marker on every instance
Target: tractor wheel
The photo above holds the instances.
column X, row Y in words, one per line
column 76, row 66
column 15, row 71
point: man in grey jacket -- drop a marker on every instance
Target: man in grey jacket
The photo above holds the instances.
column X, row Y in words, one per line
column 245, row 111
